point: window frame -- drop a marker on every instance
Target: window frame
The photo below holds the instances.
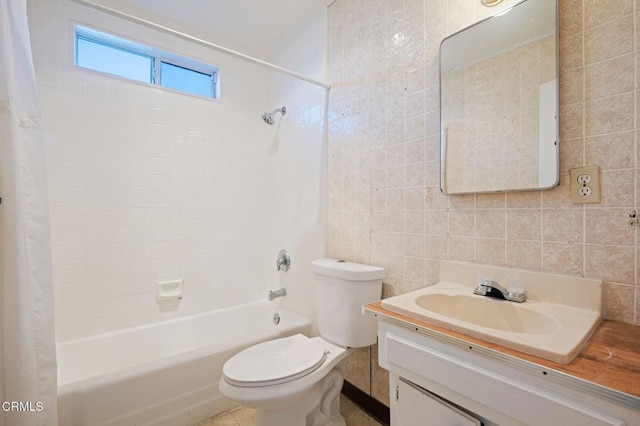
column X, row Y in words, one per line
column 156, row 56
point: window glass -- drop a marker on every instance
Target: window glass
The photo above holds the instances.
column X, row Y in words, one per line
column 185, row 80
column 113, row 60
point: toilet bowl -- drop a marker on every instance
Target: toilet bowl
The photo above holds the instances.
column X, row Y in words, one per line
column 296, row 380
column 292, row 398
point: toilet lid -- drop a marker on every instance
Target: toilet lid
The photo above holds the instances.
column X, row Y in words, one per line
column 274, row 362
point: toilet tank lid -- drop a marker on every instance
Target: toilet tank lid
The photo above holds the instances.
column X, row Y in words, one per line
column 347, row 270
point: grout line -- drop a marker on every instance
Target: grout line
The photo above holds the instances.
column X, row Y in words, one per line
column 542, row 241
column 635, row 159
column 584, row 138
column 506, row 235
column 475, row 236
column 599, row 98
column 584, row 13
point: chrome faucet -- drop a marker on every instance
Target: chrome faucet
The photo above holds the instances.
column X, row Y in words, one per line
column 488, row 287
column 284, row 261
column 277, row 293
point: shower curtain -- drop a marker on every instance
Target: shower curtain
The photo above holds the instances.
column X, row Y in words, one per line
column 27, row 344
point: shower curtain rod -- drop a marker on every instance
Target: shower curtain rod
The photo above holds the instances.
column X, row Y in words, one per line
column 185, row 36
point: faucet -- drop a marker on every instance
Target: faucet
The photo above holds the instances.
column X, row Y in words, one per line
column 284, row 261
column 277, row 293
column 488, row 287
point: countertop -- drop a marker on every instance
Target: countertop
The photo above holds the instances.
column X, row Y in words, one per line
column 611, row 357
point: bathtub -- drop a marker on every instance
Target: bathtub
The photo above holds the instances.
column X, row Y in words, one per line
column 161, row 374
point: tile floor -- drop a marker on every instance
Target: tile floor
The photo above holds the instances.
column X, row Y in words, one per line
column 245, row 416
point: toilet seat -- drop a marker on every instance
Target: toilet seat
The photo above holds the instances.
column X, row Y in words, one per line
column 275, row 362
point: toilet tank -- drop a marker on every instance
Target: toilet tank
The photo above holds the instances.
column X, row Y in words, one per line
column 341, row 290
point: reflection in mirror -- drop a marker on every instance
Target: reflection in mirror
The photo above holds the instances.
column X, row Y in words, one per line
column 499, row 102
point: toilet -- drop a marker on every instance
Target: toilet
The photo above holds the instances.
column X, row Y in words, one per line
column 297, row 380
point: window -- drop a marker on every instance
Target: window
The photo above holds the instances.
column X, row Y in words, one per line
column 116, row 56
column 185, row 79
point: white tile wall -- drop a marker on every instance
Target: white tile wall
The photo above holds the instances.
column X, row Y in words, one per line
column 147, row 184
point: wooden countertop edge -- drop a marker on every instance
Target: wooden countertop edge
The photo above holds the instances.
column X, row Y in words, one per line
column 611, row 357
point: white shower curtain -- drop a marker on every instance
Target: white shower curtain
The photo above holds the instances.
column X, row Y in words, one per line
column 27, row 344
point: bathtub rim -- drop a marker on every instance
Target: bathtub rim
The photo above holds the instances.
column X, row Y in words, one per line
column 174, row 320
column 141, row 369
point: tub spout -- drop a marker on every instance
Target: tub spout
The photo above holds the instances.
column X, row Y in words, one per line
column 277, row 293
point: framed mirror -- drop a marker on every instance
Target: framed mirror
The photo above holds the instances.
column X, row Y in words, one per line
column 499, row 102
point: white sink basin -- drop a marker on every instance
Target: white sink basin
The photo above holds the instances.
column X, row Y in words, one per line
column 555, row 322
column 489, row 313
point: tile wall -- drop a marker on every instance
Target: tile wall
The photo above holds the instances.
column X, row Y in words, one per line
column 384, row 202
column 148, row 184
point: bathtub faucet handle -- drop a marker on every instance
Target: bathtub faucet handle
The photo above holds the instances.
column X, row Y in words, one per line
column 284, row 261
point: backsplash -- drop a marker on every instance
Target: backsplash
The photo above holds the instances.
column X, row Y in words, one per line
column 385, row 205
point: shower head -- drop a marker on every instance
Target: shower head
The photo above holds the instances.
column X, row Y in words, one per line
column 268, row 116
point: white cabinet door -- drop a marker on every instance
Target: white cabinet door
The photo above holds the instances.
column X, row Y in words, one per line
column 417, row 407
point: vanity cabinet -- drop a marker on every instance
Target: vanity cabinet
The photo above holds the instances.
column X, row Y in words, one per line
column 431, row 376
column 413, row 405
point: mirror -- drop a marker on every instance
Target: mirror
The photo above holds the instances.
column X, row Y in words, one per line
column 499, row 102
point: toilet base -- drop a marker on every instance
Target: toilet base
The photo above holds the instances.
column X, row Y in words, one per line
column 319, row 406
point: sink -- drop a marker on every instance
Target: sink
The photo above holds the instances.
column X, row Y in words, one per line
column 490, row 313
column 554, row 323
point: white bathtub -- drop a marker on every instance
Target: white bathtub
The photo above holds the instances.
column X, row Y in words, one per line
column 161, row 374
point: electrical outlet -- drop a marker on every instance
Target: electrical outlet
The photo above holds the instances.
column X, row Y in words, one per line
column 584, row 179
column 585, row 191
column 585, row 185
